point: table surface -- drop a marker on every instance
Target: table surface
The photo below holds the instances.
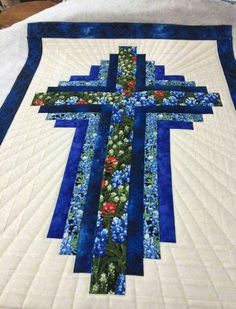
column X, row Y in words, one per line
column 21, row 11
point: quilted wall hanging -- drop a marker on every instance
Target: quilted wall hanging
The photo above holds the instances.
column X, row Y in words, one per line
column 110, row 193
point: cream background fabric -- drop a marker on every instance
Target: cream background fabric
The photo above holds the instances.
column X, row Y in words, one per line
column 199, row 271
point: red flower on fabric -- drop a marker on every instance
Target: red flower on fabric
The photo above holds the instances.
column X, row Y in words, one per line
column 110, row 162
column 82, row 101
column 109, row 208
column 134, row 58
column 131, row 83
column 104, row 184
column 38, row 102
column 159, row 93
column 126, row 91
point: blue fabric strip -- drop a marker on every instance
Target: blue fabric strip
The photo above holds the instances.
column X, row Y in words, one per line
column 166, row 209
column 143, row 88
column 140, row 72
column 228, row 62
column 147, row 109
column 177, row 109
column 83, row 262
column 70, row 108
column 160, row 74
column 79, row 124
column 112, row 73
column 159, row 71
column 93, row 75
column 174, row 77
column 134, row 260
column 58, row 221
column 176, row 88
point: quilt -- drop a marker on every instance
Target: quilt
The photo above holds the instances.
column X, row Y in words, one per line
column 118, row 169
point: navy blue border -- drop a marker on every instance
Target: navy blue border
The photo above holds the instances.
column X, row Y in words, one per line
column 37, row 31
column 127, row 30
column 18, row 91
column 228, row 63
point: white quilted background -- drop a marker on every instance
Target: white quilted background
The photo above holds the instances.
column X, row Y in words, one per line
column 199, row 271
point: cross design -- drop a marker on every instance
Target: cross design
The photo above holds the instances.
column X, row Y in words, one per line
column 115, row 204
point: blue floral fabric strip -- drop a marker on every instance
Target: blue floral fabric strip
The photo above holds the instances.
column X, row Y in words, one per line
column 155, row 74
column 151, row 228
column 69, row 244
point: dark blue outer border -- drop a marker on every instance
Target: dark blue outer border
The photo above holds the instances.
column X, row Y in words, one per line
column 127, row 30
column 37, row 31
column 18, row 91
